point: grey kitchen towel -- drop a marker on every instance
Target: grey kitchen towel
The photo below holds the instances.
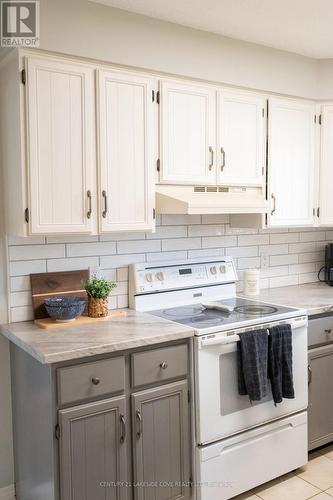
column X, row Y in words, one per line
column 252, row 352
column 280, row 362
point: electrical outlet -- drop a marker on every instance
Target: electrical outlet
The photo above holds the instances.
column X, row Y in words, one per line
column 264, row 261
column 95, row 271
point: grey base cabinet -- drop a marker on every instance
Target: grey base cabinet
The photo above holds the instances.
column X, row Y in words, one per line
column 113, row 427
column 161, row 442
column 93, row 451
column 320, row 396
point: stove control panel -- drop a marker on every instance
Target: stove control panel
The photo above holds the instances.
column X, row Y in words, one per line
column 145, row 278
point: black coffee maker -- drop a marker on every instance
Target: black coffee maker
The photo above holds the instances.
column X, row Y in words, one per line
column 329, row 264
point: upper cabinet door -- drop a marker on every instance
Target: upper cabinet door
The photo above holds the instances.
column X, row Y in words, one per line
column 126, row 151
column 291, row 132
column 326, row 170
column 241, row 139
column 187, row 133
column 60, row 147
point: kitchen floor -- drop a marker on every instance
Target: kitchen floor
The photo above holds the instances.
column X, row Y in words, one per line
column 315, row 480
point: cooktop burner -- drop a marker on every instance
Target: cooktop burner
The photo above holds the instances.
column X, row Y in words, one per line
column 256, row 310
column 200, row 318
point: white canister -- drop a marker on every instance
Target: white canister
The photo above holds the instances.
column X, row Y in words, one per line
column 252, row 282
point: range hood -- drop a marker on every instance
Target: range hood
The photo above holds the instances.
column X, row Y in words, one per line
column 210, row 200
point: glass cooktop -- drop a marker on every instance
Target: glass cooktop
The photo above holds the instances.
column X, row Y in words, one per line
column 197, row 316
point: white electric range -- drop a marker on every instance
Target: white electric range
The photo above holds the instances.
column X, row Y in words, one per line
column 238, row 445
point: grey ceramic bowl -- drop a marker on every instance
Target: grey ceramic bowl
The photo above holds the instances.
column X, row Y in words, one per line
column 64, row 308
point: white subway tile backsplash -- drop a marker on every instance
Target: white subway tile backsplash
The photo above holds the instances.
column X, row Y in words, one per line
column 72, row 263
column 248, row 262
column 273, row 249
column 284, row 238
column 114, row 261
column 90, row 249
column 206, row 252
column 139, row 246
column 168, row 232
column 242, row 251
column 280, row 260
column 72, row 238
column 253, row 239
column 283, row 281
column 219, row 241
column 20, row 283
column 20, row 299
column 29, row 252
column 215, row 219
column 313, row 236
column 23, row 267
column 165, row 256
column 181, row 244
column 206, row 230
column 294, row 255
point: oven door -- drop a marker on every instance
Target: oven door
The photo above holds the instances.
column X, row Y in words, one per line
column 220, row 410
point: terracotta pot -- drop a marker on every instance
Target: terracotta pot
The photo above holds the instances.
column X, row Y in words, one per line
column 97, row 308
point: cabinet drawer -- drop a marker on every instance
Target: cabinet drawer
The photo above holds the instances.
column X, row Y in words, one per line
column 159, row 365
column 89, row 380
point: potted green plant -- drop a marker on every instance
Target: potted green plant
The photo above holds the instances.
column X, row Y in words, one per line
column 98, row 290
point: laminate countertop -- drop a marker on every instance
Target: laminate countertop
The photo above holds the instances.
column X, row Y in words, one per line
column 316, row 298
column 134, row 329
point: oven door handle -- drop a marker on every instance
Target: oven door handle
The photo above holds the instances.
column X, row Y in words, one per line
column 231, row 339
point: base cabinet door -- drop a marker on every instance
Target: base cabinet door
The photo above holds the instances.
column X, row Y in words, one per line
column 126, row 151
column 320, row 396
column 60, row 147
column 161, row 443
column 93, row 451
column 291, row 162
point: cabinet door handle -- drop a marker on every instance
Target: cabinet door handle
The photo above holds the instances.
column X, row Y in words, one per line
column 139, row 421
column 95, row 380
column 123, row 428
column 89, row 204
column 164, row 365
column 274, row 204
column 211, row 152
column 105, row 211
column 223, row 159
column 309, row 374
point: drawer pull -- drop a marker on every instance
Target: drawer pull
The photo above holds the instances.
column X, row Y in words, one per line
column 164, row 365
column 139, row 420
column 328, row 331
column 95, row 380
column 123, row 428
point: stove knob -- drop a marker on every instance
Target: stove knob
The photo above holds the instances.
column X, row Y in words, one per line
column 149, row 277
column 213, row 270
column 223, row 269
column 160, row 276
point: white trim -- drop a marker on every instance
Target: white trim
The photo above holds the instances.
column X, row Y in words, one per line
column 7, row 493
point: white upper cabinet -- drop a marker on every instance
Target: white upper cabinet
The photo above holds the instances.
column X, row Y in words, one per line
column 326, row 167
column 60, row 147
column 187, row 133
column 291, row 162
column 127, row 152
column 241, row 138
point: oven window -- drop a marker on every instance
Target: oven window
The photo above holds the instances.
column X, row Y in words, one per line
column 230, row 400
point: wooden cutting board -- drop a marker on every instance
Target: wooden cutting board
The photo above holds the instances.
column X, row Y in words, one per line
column 51, row 324
column 44, row 285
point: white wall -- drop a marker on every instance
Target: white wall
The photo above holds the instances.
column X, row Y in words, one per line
column 87, row 29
